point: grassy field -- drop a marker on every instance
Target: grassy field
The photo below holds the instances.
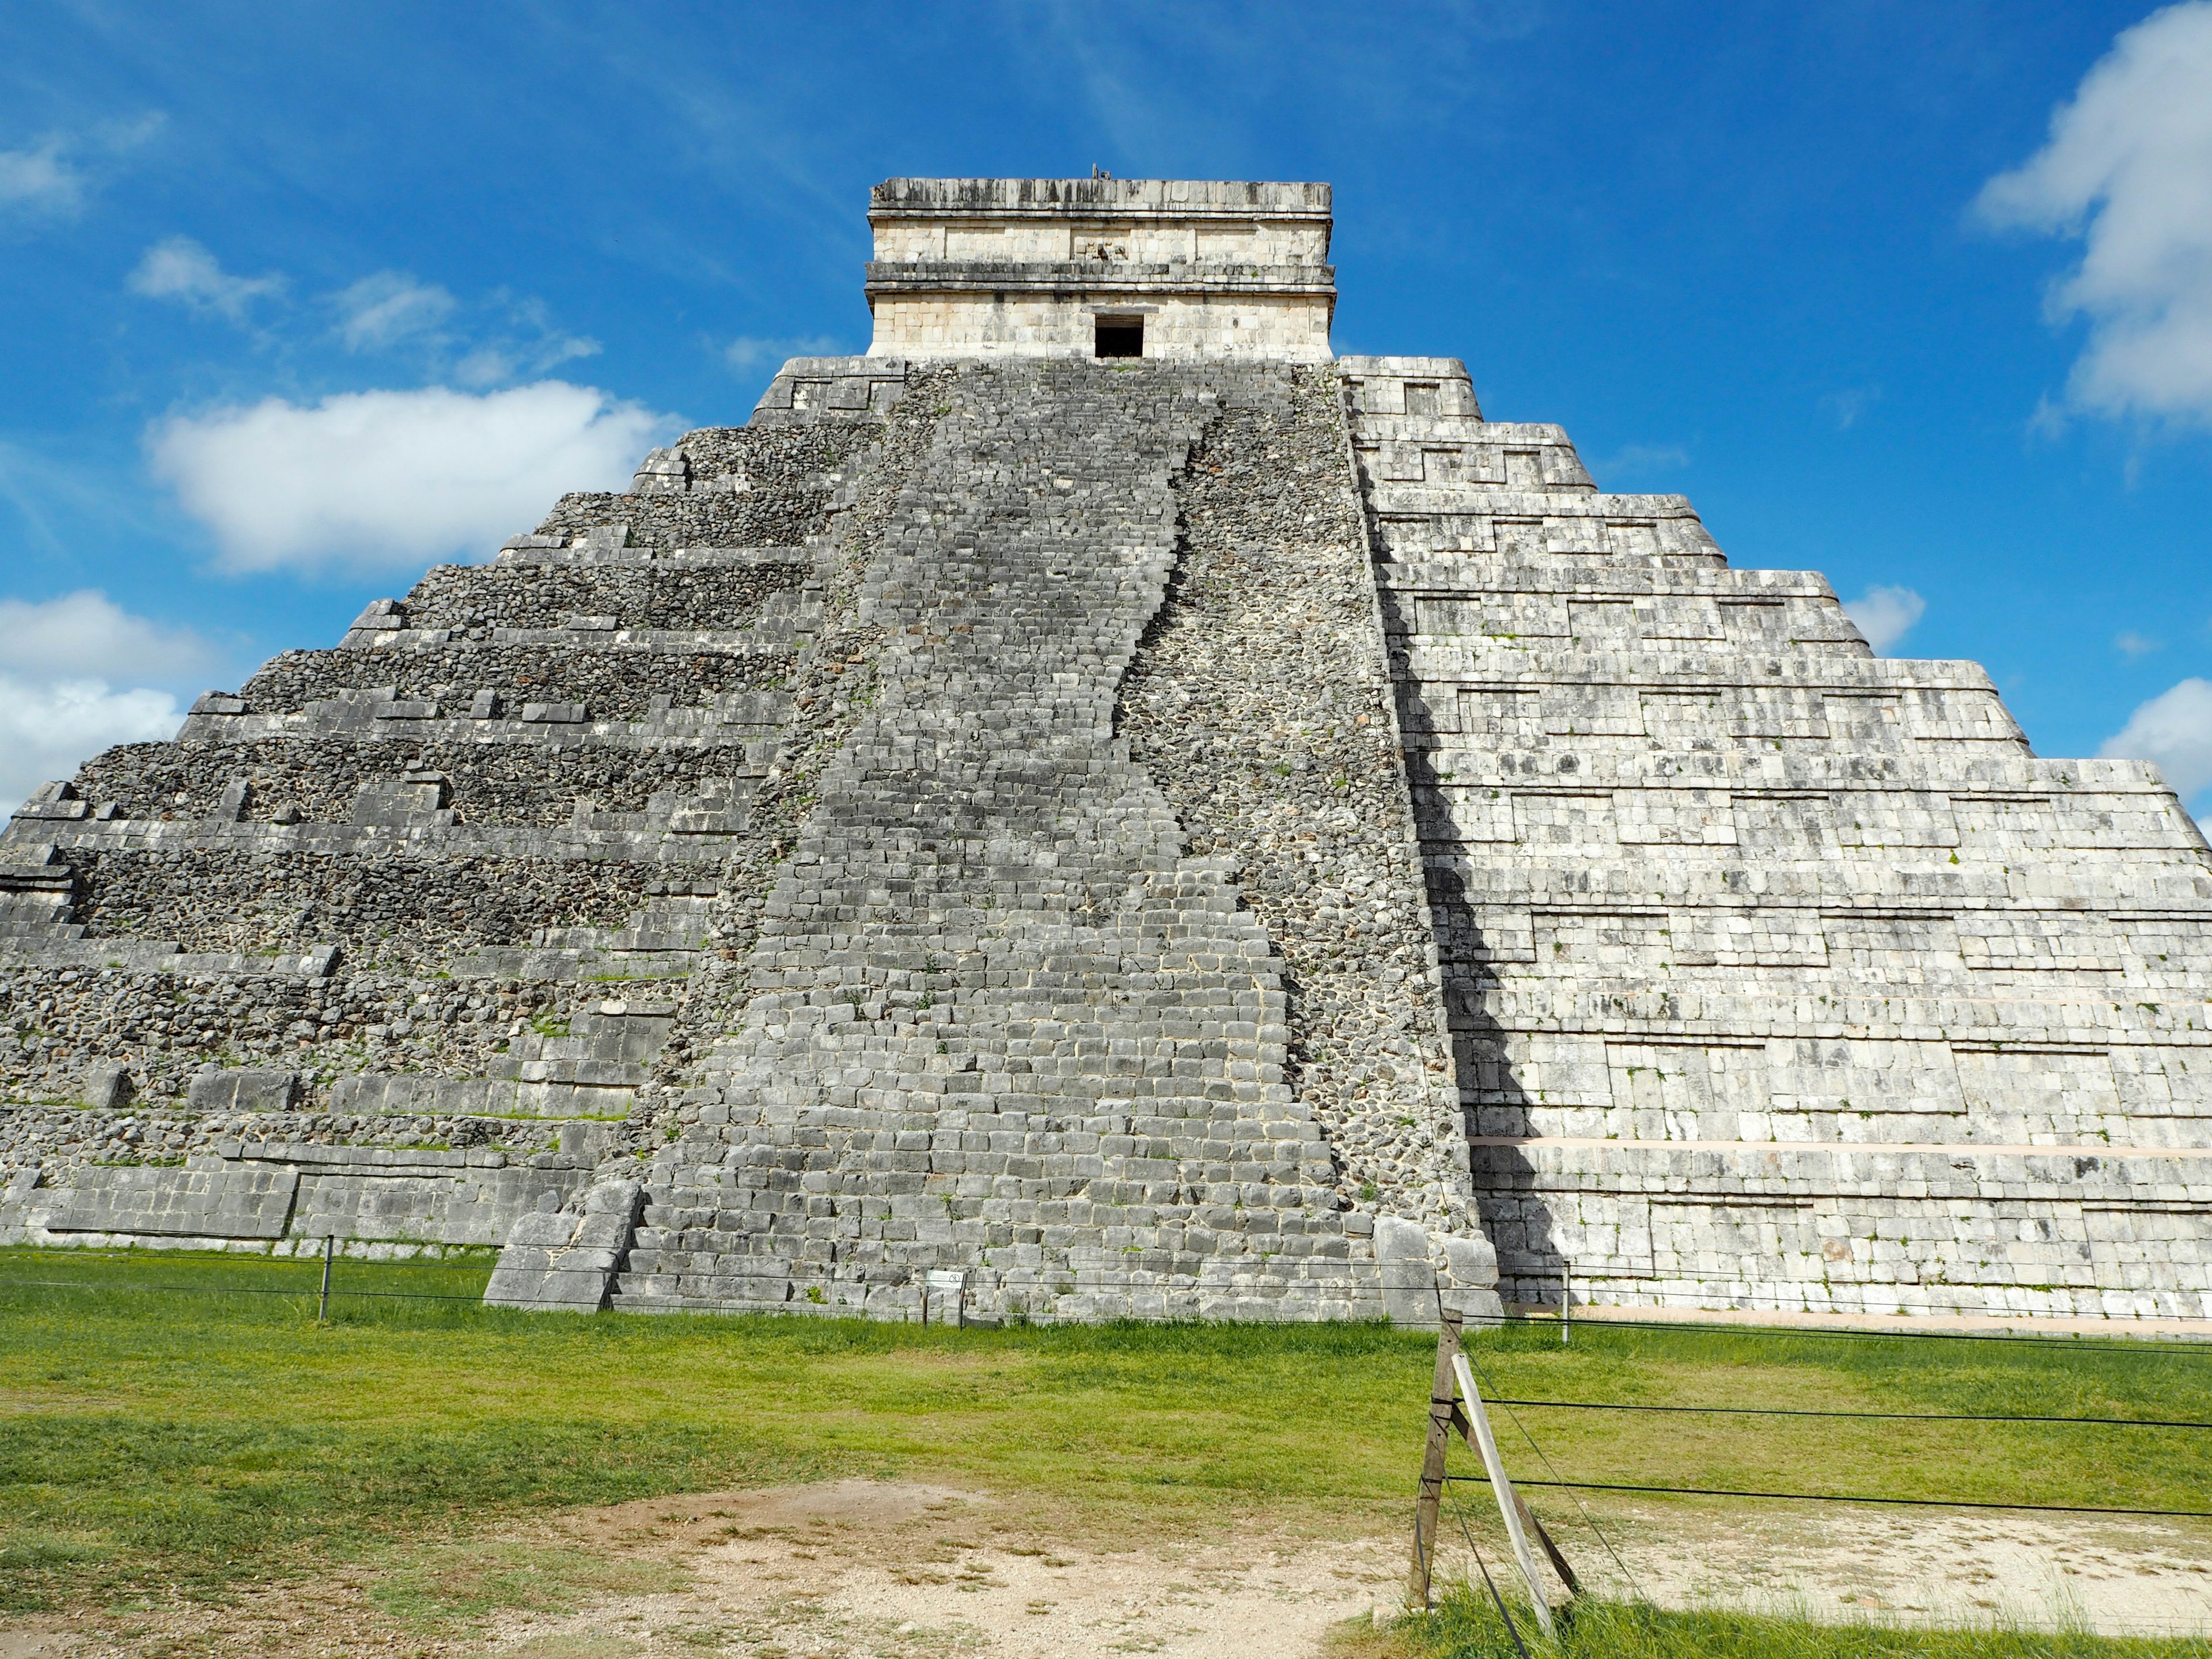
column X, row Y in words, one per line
column 1464, row 1627
column 175, row 1423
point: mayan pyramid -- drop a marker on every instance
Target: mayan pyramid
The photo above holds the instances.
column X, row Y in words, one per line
column 1099, row 807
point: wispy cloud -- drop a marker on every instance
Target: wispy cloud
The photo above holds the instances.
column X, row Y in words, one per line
column 524, row 342
column 1637, row 460
column 53, row 175
column 2128, row 170
column 52, row 493
column 391, row 306
column 1848, row 406
column 1431, row 53
column 181, row 270
column 1885, row 615
column 2132, row 645
column 41, row 177
column 749, row 352
column 482, row 344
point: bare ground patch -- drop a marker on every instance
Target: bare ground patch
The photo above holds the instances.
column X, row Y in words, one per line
column 898, row 1569
column 1838, row 1564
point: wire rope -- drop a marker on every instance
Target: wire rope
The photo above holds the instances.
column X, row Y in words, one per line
column 1880, row 1417
column 1588, row 1520
column 1854, row 1498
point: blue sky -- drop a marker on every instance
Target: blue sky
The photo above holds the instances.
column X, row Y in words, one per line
column 299, row 300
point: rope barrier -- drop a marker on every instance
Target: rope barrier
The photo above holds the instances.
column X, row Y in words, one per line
column 1588, row 1520
column 1459, row 1511
column 229, row 1290
column 1846, row 1497
column 1880, row 1417
column 2165, row 1344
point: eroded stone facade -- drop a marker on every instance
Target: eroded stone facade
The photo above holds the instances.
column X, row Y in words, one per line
column 1782, row 977
column 1212, row 831
column 1030, row 267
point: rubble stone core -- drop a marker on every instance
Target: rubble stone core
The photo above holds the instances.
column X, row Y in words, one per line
column 1220, row 832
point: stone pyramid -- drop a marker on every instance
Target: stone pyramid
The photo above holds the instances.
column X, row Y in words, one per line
column 1098, row 808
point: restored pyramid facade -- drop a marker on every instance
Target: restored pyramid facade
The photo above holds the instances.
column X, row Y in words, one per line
column 1098, row 808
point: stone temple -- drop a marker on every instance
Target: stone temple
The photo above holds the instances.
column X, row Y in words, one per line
column 1103, row 808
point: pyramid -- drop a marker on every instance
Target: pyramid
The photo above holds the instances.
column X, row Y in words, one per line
column 1100, row 808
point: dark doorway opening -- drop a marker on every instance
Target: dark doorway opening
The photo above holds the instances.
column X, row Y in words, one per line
column 1121, row 337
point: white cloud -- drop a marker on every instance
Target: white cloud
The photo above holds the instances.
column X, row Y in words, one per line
column 380, row 310
column 181, row 270
column 390, row 480
column 60, row 662
column 2128, row 167
column 1640, row 459
column 2132, row 645
column 86, row 634
column 503, row 360
column 48, row 731
column 1847, row 406
column 50, row 176
column 1885, row 615
column 2174, row 729
column 41, row 178
column 747, row 351
column 501, row 338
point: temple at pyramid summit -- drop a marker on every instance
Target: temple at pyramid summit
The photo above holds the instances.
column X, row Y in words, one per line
column 1100, row 807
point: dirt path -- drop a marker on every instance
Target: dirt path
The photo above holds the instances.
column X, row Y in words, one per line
column 859, row 1569
column 1837, row 1564
column 905, row 1572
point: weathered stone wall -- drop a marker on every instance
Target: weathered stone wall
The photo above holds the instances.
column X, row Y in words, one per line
column 1002, row 1023
column 1782, row 977
column 421, row 909
column 620, row 682
column 57, row 1025
column 721, row 596
column 451, row 924
column 1178, row 327
column 281, row 1182
column 969, row 269
column 1151, row 838
column 1260, row 701
column 319, row 779
column 728, row 487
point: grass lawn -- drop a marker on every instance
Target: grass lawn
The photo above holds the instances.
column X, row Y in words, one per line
column 1463, row 1627
column 171, row 1424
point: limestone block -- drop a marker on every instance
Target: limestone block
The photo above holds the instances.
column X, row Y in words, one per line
column 409, row 1092
column 563, row 1260
column 1403, row 1252
column 108, row 1088
column 55, row 801
column 208, row 1201
column 247, row 1089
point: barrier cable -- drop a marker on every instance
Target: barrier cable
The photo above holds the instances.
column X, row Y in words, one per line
column 1848, row 1498
column 1872, row 1417
column 229, row 1290
column 1588, row 1520
column 1584, row 1318
column 1459, row 1514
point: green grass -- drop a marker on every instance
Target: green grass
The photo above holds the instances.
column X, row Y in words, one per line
column 1466, row 1627
column 178, row 1422
column 460, row 1583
